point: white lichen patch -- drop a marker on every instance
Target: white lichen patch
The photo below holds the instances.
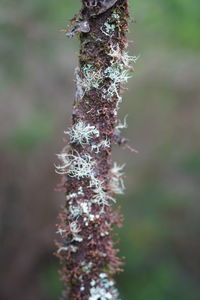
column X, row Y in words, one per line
column 81, row 209
column 118, row 72
column 82, row 133
column 61, row 231
column 75, row 165
column 74, row 195
column 78, row 239
column 121, row 125
column 102, row 234
column 101, row 197
column 127, row 59
column 121, row 57
column 82, row 288
column 74, row 228
column 80, row 191
column 74, row 211
column 103, row 289
column 86, row 207
column 103, row 144
column 62, row 249
column 116, row 181
column 71, row 196
column 72, row 248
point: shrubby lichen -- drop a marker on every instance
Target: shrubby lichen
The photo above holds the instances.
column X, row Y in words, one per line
column 82, row 133
column 75, row 165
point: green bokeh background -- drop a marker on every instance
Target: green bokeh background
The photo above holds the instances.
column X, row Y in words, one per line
column 160, row 238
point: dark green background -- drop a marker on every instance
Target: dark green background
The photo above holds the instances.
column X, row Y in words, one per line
column 161, row 234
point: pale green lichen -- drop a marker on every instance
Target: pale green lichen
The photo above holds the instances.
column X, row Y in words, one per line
column 92, row 78
column 115, row 16
column 121, row 57
column 117, row 76
column 108, row 29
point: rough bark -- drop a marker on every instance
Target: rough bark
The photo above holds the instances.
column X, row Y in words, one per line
column 89, row 178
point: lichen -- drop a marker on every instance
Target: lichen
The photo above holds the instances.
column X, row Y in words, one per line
column 116, row 180
column 103, row 289
column 75, row 165
column 103, row 144
column 108, row 29
column 82, row 133
column 92, row 78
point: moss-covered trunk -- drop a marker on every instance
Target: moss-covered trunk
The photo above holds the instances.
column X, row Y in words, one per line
column 90, row 179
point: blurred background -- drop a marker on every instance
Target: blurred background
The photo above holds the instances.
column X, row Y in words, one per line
column 161, row 235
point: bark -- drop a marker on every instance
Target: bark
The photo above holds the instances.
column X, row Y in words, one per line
column 86, row 248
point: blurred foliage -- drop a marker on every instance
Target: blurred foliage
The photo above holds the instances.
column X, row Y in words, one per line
column 33, row 133
column 49, row 282
column 174, row 22
column 160, row 238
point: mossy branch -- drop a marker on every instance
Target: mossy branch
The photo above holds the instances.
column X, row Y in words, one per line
column 90, row 179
